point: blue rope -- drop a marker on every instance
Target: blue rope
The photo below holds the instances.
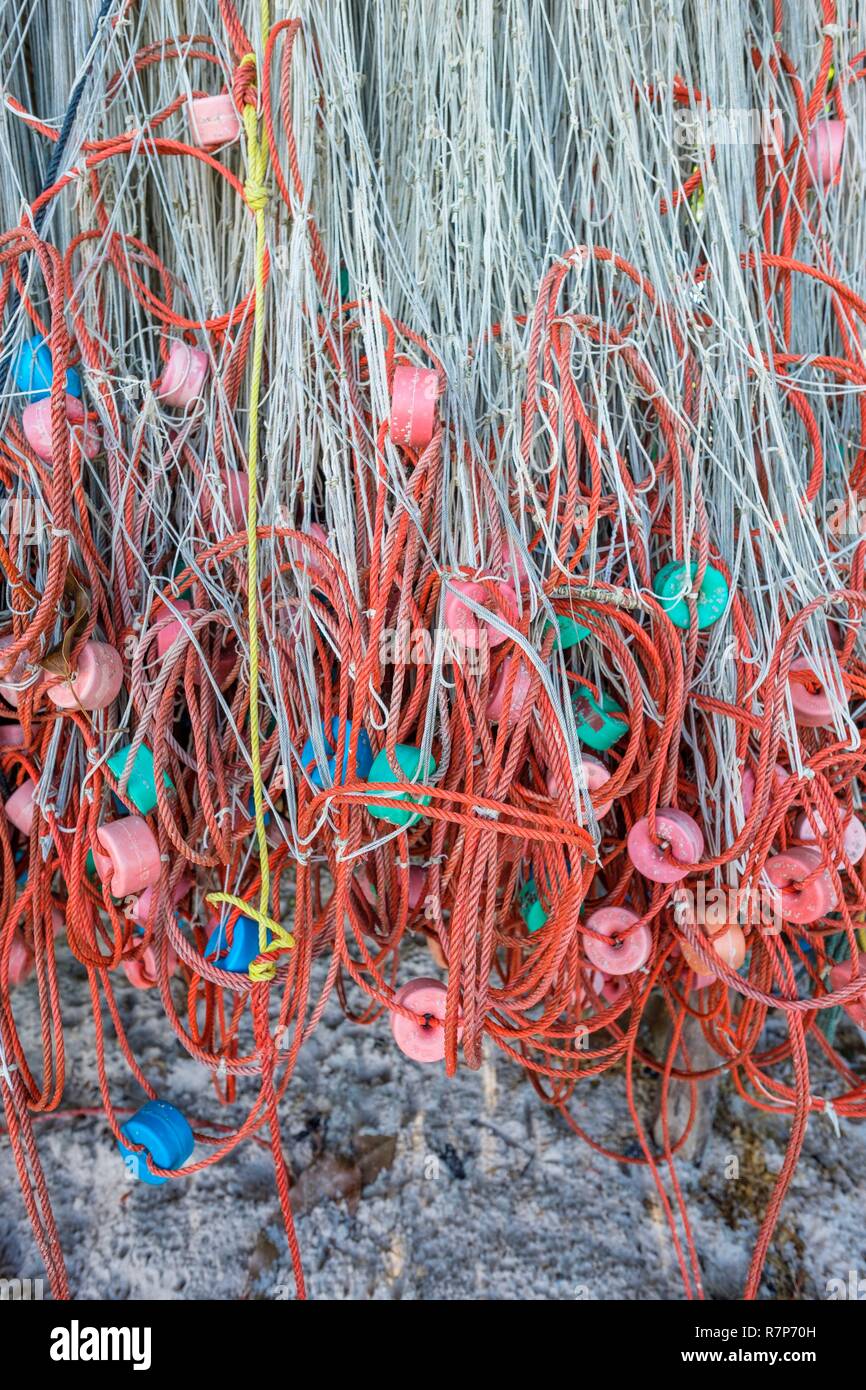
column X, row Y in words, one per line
column 69, row 119
column 57, row 156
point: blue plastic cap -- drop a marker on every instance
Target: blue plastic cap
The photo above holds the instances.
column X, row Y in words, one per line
column 34, row 372
column 243, row 950
column 251, row 810
column 363, row 760
column 164, row 1133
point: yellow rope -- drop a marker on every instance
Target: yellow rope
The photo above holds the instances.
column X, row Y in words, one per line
column 256, row 194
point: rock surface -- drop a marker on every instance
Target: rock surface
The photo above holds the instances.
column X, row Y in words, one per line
column 411, row 1186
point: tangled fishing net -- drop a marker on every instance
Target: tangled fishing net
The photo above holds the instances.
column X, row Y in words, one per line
column 432, row 461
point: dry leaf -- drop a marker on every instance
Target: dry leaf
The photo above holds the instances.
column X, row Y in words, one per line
column 375, row 1152
column 56, row 663
column 264, row 1255
column 328, row 1178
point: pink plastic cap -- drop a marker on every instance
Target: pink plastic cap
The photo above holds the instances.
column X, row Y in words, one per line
column 824, row 152
column 9, row 693
column 184, row 376
column 464, row 624
column 853, row 838
column 140, row 908
column 131, row 859
column 422, row 1041
column 610, row 988
column 143, row 973
column 786, row 871
column 235, row 493
column 413, row 406
column 629, row 952
column 11, row 735
column 596, row 775
column 729, row 945
column 168, row 634
column 780, row 775
column 519, row 691
column 812, row 708
column 305, row 555
column 21, row 960
column 677, row 831
column 213, row 121
column 417, row 884
column 20, row 809
column 36, row 423
column 840, row 976
column 95, row 684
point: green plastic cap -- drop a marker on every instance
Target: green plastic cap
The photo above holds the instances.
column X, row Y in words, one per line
column 141, row 787
column 409, row 761
column 570, row 632
column 595, row 727
column 712, row 600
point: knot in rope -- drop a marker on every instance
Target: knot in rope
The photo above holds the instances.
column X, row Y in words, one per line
column 245, row 88
column 280, row 940
column 256, row 195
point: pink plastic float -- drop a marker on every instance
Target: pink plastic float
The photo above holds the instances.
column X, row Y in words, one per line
column 213, row 121
column 853, row 836
column 464, row 625
column 596, row 775
column 824, row 152
column 131, row 861
column 629, row 951
column 679, row 834
column 413, row 406
column 96, row 682
column 787, row 871
column 519, row 691
column 184, row 376
column 36, row 423
column 422, row 1041
column 19, row 807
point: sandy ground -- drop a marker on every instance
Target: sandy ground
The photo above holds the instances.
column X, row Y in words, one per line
column 461, row 1189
